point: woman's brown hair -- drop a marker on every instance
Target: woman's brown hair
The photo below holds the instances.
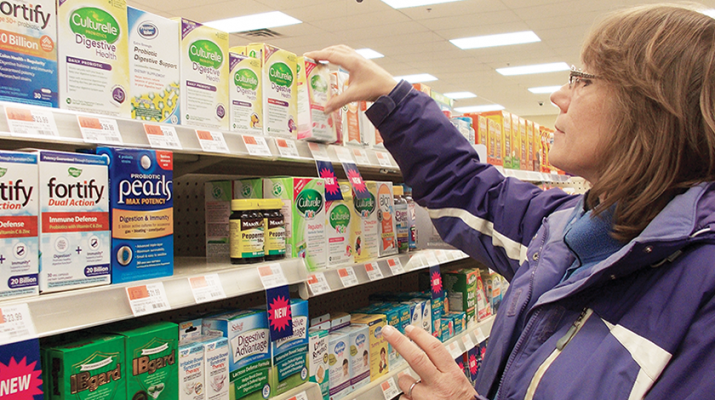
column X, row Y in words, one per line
column 660, row 62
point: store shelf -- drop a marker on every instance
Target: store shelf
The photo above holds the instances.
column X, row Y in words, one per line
column 373, row 391
column 306, row 391
column 533, row 176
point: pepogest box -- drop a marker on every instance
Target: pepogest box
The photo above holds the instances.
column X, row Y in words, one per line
column 304, row 213
column 338, row 227
column 245, row 94
column 93, row 59
column 153, row 67
column 280, row 102
column 313, row 95
column 387, row 227
column 289, row 356
column 365, row 236
column 204, row 76
column 339, row 360
column 28, row 48
column 216, row 355
column 318, row 360
column 19, row 205
column 74, row 222
column 142, row 213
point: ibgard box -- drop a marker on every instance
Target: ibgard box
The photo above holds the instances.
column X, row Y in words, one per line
column 318, row 360
column 22, row 367
column 216, row 364
column 359, row 344
column 91, row 368
column 289, row 356
column 461, row 287
column 304, row 213
column 19, row 206
column 192, row 370
column 204, row 76
column 313, row 94
column 74, row 223
column 379, row 363
column 142, row 213
column 365, row 236
column 93, row 60
column 152, row 361
column 245, row 94
column 29, row 43
column 338, row 226
column 339, row 361
column 249, row 345
column 387, row 228
column 280, row 101
column 153, row 67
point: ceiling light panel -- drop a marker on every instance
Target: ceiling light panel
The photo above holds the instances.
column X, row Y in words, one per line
column 534, row 69
column 271, row 19
column 416, row 78
column 396, row 4
column 369, row 53
column 544, row 89
column 478, row 109
column 502, row 39
column 460, row 95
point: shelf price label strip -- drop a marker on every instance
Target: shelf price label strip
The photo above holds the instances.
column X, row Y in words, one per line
column 272, row 275
column 390, row 389
column 287, row 148
column 361, row 157
column 383, row 159
column 99, row 130
column 147, row 299
column 256, row 146
column 207, row 288
column 395, row 266
column 300, row 396
column 318, row 284
column 348, row 277
column 162, row 137
column 16, row 324
column 33, row 123
column 373, row 271
column 212, row 141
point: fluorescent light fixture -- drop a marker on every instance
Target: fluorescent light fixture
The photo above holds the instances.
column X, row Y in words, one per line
column 478, row 109
column 369, row 53
column 502, row 39
column 460, row 95
column 271, row 19
column 544, row 89
column 414, row 3
column 534, row 69
column 709, row 13
column 416, row 78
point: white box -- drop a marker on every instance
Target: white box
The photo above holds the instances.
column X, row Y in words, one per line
column 192, row 371
column 216, row 364
column 245, row 95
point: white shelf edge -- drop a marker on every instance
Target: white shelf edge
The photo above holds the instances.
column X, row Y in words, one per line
column 311, row 389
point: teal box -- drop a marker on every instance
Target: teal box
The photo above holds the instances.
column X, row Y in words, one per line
column 289, row 356
column 318, row 360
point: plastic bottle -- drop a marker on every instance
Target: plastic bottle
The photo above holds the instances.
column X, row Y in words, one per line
column 246, row 232
column 274, row 244
column 411, row 213
column 401, row 220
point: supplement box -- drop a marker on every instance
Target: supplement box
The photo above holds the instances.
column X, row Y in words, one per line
column 142, row 213
column 249, row 344
column 365, row 237
column 74, row 222
column 494, row 148
column 248, row 188
column 304, row 213
column 217, row 208
column 216, row 364
column 367, row 129
column 461, row 288
column 387, row 227
column 280, row 102
column 359, row 343
column 484, row 308
column 289, row 356
column 313, row 95
column 318, row 360
column 338, row 227
column 502, row 137
column 88, row 368
column 245, row 94
column 153, row 67
column 19, row 206
column 204, row 76
column 524, row 143
column 379, row 363
column 22, row 366
column 350, row 115
column 189, row 329
column 339, row 320
column 192, row 370
column 398, row 316
column 93, row 59
column 339, row 361
column 152, row 361
column 29, row 41
column 515, row 142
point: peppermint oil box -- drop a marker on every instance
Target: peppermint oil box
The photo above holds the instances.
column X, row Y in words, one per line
column 93, row 60
column 204, row 76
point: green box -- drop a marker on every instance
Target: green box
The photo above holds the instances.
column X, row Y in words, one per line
column 248, row 188
column 461, row 288
column 318, row 360
column 289, row 356
column 152, row 361
column 92, row 368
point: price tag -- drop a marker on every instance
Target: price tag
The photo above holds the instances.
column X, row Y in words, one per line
column 479, row 335
column 373, row 271
column 319, row 151
column 162, row 137
column 343, row 154
column 212, row 141
column 287, row 148
column 361, row 157
column 256, row 145
column 454, row 349
column 300, row 396
column 467, row 340
column 207, row 288
column 31, row 122
column 383, row 159
column 318, row 284
column 389, row 389
column 441, row 256
column 431, row 259
column 348, row 277
column 395, row 266
column 272, row 275
column 16, row 324
column 147, row 299
column 99, row 130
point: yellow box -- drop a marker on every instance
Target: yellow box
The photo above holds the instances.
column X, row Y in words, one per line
column 530, row 145
column 524, row 144
column 365, row 238
column 494, row 148
column 503, row 118
column 379, row 363
column 515, row 142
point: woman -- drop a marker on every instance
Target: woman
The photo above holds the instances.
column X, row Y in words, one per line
column 611, row 293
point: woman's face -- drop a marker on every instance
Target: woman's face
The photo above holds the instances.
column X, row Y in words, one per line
column 583, row 126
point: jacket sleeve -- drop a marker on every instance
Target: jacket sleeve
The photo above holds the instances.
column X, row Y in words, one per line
column 473, row 206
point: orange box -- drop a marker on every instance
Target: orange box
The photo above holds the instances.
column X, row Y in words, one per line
column 515, row 142
column 524, row 144
column 423, row 88
column 536, row 154
column 530, row 145
column 503, row 118
column 494, row 148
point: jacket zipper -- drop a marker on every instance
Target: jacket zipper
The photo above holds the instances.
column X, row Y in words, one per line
column 530, row 323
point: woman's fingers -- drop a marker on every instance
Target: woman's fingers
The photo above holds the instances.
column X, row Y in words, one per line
column 434, row 349
column 414, row 356
column 405, row 382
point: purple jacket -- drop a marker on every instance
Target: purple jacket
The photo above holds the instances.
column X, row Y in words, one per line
column 640, row 324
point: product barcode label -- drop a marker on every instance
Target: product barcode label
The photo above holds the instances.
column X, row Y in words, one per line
column 479, row 335
column 343, row 154
column 33, row 123
column 361, row 157
column 373, row 271
column 256, row 146
column 431, row 259
column 16, row 324
column 467, row 340
column 318, row 284
column 272, row 275
column 99, row 130
column 389, row 389
column 147, row 299
column 300, row 396
column 454, row 349
column 207, row 288
column 441, row 256
column 212, row 141
column 287, row 148
column 162, row 137
column 383, row 159
column 319, row 151
column 348, row 277
column 395, row 266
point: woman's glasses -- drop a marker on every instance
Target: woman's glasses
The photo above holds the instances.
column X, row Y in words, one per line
column 576, row 75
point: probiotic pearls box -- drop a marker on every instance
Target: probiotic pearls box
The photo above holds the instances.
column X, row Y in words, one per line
column 19, row 200
column 93, row 62
column 204, row 76
column 74, row 222
column 28, row 48
column 153, row 67
column 246, row 97
column 280, row 101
